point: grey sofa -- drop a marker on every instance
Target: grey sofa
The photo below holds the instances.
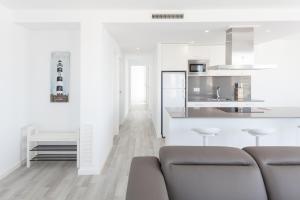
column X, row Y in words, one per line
column 216, row 173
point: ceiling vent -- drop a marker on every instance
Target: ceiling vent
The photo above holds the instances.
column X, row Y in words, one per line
column 168, row 16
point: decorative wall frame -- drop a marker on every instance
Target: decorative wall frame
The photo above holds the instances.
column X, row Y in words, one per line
column 60, row 76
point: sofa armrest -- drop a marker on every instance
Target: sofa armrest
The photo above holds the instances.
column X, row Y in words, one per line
column 146, row 181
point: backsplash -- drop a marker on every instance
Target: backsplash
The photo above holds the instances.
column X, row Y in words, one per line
column 201, row 88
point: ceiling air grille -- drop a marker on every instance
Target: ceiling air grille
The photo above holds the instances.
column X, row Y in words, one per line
column 167, row 16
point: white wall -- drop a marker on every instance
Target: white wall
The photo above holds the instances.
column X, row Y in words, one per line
column 14, row 91
column 43, row 113
column 98, row 67
column 280, row 86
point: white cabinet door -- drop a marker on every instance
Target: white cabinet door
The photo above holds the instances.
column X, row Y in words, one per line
column 174, row 80
column 217, row 55
column 199, row 52
column 173, row 98
column 174, row 57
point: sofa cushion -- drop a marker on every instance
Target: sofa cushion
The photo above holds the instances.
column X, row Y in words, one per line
column 146, row 181
column 211, row 173
column 280, row 167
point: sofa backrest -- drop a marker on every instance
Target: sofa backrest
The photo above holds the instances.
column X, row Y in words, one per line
column 280, row 167
column 211, row 173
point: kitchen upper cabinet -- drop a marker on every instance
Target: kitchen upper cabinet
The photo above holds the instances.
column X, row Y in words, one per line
column 199, row 52
column 217, row 55
column 174, row 57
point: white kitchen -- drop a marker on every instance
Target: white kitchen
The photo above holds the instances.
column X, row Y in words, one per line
column 242, row 94
column 250, row 68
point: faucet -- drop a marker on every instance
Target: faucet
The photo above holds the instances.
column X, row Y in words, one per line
column 218, row 92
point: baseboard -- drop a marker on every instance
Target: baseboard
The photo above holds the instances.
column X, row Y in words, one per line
column 11, row 170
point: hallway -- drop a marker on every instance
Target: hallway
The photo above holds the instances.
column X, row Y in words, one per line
column 59, row 180
column 136, row 138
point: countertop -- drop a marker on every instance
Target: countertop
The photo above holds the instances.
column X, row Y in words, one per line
column 200, row 99
column 211, row 112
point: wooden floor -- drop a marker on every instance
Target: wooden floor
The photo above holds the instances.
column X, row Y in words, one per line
column 59, row 180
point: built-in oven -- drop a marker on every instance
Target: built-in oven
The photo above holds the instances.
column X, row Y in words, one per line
column 197, row 66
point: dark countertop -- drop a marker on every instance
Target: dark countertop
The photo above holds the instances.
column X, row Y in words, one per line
column 201, row 99
column 273, row 112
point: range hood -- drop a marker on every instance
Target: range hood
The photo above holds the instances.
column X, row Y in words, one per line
column 240, row 51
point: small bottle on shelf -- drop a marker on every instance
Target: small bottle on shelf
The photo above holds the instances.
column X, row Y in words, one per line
column 238, row 91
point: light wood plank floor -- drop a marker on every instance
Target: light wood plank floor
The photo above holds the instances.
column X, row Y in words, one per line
column 59, row 180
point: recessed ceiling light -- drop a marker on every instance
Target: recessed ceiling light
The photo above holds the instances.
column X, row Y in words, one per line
column 206, row 31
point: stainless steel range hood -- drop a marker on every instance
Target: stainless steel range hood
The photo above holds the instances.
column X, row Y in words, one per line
column 240, row 51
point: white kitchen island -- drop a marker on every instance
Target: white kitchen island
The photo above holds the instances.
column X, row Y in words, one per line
column 179, row 122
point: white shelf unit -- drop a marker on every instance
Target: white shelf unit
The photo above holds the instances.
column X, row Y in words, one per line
column 54, row 152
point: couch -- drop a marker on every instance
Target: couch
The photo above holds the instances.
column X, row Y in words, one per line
column 216, row 173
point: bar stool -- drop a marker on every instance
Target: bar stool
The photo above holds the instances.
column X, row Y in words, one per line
column 206, row 132
column 258, row 133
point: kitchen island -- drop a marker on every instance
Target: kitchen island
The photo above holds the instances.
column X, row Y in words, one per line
column 179, row 122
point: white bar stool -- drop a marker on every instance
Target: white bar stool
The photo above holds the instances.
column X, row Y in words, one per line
column 206, row 132
column 257, row 133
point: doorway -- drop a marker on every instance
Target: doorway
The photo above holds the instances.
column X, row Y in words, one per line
column 138, row 83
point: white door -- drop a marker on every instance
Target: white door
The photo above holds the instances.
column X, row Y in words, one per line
column 116, row 96
column 122, row 86
column 138, row 85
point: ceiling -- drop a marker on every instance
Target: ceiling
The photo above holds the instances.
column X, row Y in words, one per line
column 150, row 4
column 52, row 26
column 145, row 36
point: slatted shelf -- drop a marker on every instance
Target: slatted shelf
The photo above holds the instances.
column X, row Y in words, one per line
column 55, row 148
column 55, row 157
